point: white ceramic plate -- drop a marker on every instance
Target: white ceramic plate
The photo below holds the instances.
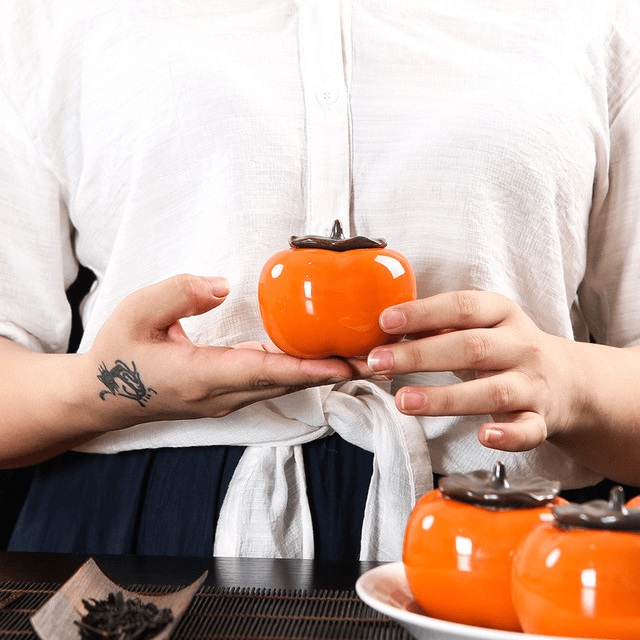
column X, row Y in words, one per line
column 385, row 589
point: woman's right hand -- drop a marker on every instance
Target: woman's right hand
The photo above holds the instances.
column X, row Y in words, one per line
column 142, row 367
column 144, row 362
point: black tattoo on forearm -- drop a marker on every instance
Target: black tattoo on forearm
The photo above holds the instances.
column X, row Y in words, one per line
column 130, row 385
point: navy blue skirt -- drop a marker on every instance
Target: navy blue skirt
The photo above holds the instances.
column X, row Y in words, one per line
column 167, row 501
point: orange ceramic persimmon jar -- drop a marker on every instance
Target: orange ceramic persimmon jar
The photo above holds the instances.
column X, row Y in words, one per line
column 323, row 296
column 579, row 576
column 460, row 541
column 634, row 503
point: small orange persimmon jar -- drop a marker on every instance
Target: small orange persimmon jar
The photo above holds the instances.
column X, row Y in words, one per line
column 634, row 503
column 579, row 576
column 323, row 296
column 460, row 542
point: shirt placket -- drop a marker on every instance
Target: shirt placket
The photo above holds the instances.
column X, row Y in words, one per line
column 325, row 66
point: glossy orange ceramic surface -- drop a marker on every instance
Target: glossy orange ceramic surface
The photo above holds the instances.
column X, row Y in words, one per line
column 458, row 557
column 634, row 503
column 317, row 303
column 578, row 583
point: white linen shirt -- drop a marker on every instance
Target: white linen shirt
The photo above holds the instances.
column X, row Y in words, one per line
column 495, row 144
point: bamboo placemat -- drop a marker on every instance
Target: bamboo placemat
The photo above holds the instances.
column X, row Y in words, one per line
column 234, row 613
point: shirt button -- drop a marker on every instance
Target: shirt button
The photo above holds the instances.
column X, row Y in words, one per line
column 326, row 98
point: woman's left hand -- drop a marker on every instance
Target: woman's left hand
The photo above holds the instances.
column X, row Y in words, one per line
column 510, row 369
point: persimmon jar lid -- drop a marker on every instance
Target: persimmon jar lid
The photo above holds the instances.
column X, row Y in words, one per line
column 612, row 515
column 492, row 489
column 336, row 241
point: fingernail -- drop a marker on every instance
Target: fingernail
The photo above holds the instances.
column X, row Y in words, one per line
column 492, row 436
column 392, row 319
column 219, row 287
column 380, row 361
column 410, row 401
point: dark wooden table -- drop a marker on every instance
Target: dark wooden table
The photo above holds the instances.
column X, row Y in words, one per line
column 242, row 598
column 223, row 572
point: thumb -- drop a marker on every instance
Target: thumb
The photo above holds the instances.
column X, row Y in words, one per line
column 161, row 305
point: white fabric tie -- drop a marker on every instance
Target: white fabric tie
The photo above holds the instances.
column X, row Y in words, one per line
column 266, row 514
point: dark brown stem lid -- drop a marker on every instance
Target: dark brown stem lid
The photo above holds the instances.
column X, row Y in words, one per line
column 337, row 241
column 599, row 514
column 492, row 489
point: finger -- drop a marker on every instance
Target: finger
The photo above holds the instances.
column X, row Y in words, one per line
column 361, row 371
column 457, row 309
column 250, row 344
column 271, row 348
column 525, row 430
column 161, row 305
column 485, row 349
column 253, row 369
column 358, row 366
column 498, row 394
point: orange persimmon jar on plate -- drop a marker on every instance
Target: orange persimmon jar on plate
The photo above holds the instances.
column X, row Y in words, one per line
column 461, row 539
column 323, row 296
column 634, row 503
column 579, row 576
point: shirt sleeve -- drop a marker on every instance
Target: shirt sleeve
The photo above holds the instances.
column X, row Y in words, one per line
column 37, row 261
column 610, row 292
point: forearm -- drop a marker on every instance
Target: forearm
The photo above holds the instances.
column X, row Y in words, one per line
column 602, row 425
column 50, row 403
